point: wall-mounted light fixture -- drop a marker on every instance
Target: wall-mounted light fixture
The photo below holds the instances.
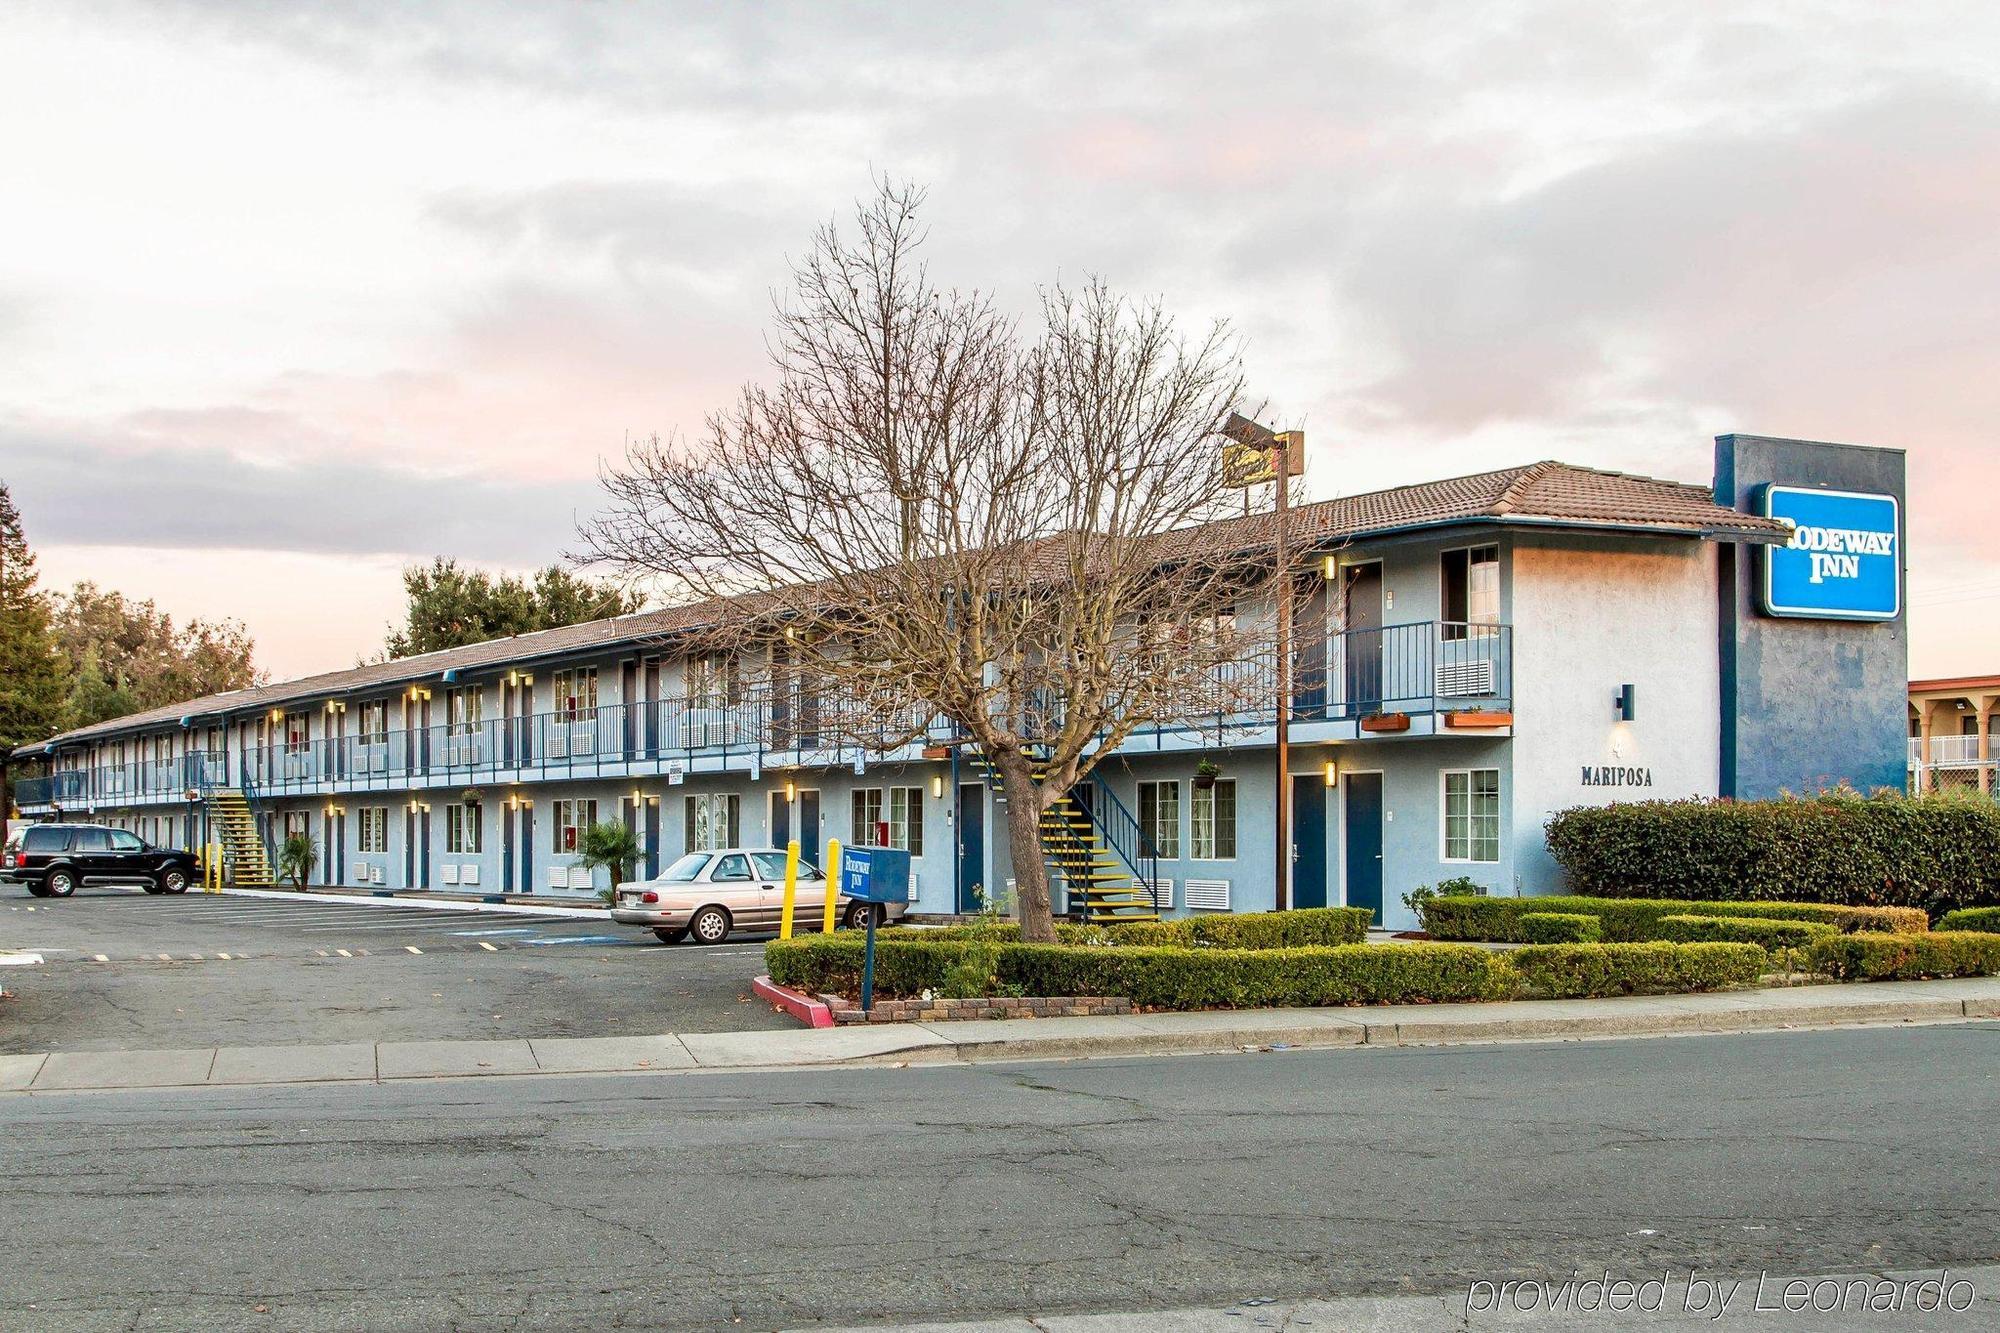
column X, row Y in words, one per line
column 791, row 790
column 419, row 693
column 336, row 705
column 1626, row 702
column 937, row 786
column 1332, row 772
column 1328, row 567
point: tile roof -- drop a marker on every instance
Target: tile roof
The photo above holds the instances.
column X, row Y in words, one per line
column 1545, row 494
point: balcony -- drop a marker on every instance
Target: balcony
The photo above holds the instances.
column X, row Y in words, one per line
column 1947, row 752
column 1424, row 670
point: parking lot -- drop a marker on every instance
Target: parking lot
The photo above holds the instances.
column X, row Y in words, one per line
column 129, row 970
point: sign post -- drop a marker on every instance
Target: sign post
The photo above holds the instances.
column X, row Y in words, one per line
column 874, row 875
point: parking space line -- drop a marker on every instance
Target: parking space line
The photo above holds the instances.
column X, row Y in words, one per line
column 343, row 953
column 489, row 948
column 412, row 948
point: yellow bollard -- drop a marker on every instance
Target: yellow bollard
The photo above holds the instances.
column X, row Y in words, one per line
column 832, row 881
column 791, row 888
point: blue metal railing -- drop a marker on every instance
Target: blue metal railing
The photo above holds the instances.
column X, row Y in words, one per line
column 1125, row 836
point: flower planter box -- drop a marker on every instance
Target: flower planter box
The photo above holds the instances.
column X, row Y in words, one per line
column 937, row 752
column 1478, row 721
column 1386, row 722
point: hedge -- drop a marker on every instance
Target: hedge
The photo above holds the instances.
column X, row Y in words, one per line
column 1929, row 852
column 1158, row 978
column 1305, row 927
column 1637, row 919
column 1560, row 928
column 1576, row 971
column 1162, row 978
column 1876, row 957
column 1972, row 918
column 1771, row 933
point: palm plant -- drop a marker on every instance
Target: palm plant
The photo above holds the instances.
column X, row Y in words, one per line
column 611, row 845
column 296, row 858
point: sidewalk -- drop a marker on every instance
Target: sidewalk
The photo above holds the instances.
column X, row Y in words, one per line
column 1014, row 1039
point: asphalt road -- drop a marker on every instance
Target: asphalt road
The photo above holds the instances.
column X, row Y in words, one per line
column 311, row 971
column 875, row 1195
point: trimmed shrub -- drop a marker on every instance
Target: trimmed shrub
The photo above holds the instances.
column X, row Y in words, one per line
column 1887, row 850
column 1299, row 928
column 1877, row 957
column 1769, row 932
column 1560, row 928
column 1576, row 971
column 1162, row 978
column 1637, row 919
column 1972, row 918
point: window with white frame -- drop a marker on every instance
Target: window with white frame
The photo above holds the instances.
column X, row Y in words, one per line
column 1212, row 822
column 463, row 707
column 906, row 819
column 1472, row 814
column 864, row 811
column 712, row 821
column 297, row 734
column 372, row 829
column 1470, row 595
column 463, row 831
column 298, row 824
column 711, row 681
column 576, row 694
column 572, row 818
column 375, row 722
column 1160, row 817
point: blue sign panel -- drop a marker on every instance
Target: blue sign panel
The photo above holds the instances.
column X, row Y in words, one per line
column 1844, row 561
column 875, row 874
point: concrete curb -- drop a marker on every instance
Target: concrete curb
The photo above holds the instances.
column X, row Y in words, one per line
column 813, row 1013
column 1014, row 1039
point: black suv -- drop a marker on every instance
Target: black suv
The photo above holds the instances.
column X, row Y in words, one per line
column 52, row 859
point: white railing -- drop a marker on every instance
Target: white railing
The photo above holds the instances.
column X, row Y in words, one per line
column 1955, row 750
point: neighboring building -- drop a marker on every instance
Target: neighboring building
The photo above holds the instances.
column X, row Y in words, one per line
column 1951, row 733
column 1474, row 654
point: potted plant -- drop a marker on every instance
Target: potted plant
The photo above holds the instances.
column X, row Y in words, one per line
column 1205, row 774
column 612, row 846
column 296, row 859
column 1478, row 719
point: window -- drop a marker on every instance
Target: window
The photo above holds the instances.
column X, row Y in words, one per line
column 572, row 818
column 1471, row 593
column 576, row 694
column 906, row 819
column 45, row 839
column 298, row 823
column 1160, row 817
column 771, row 865
column 864, row 816
column 1472, row 815
column 713, row 821
column 735, row 866
column 296, row 734
column 121, row 841
column 1212, row 822
column 462, row 709
column 462, row 828
column 711, row 681
column 373, row 829
column 375, row 722
column 686, row 870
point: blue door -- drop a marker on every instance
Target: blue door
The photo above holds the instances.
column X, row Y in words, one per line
column 1308, row 840
column 971, row 844
column 1364, row 840
column 810, row 846
column 652, row 840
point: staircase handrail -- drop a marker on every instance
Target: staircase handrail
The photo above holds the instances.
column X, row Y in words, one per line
column 1123, row 833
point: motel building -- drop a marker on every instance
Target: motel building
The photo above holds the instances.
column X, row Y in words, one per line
column 1952, row 746
column 1471, row 656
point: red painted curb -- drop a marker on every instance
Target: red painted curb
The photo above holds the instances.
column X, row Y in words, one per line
column 813, row 1013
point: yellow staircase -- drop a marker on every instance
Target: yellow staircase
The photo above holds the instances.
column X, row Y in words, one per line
column 1098, row 882
column 232, row 824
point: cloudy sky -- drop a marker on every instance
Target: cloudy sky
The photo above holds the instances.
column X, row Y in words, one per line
column 293, row 294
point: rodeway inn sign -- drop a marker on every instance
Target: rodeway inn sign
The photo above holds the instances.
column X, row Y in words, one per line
column 1844, row 559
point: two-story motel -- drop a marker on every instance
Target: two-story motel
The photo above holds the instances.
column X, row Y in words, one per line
column 1473, row 655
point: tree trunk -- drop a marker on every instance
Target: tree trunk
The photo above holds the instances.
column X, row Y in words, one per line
column 1024, row 844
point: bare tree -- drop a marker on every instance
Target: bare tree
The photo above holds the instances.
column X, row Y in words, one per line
column 929, row 514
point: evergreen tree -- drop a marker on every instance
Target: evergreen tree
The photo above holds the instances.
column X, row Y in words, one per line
column 450, row 606
column 130, row 655
column 34, row 684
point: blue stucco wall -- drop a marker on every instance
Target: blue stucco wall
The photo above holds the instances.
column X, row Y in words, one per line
column 1807, row 703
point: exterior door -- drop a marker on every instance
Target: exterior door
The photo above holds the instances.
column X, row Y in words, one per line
column 1308, row 840
column 1363, row 826
column 1363, row 638
column 971, row 845
column 809, row 843
column 781, row 821
column 524, row 862
column 652, row 839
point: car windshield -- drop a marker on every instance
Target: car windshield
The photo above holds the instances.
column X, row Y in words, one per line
column 685, row 870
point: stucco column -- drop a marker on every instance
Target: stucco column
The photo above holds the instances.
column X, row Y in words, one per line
column 1985, row 704
column 1924, row 744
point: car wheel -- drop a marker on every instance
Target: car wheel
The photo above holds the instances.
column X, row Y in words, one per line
column 665, row 936
column 59, row 884
column 173, row 880
column 857, row 915
column 710, row 926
